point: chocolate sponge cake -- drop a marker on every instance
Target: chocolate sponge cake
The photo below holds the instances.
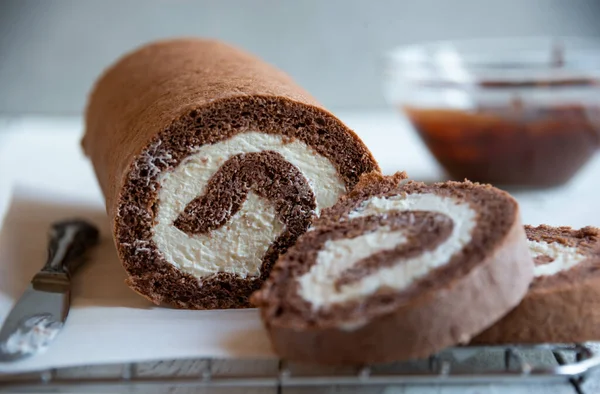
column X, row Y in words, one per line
column 212, row 163
column 397, row 271
column 563, row 302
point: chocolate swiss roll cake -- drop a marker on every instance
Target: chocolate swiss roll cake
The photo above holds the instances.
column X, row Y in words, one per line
column 397, row 271
column 212, row 163
column 563, row 302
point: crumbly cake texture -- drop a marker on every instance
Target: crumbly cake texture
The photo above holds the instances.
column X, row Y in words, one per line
column 155, row 107
column 559, row 308
column 448, row 305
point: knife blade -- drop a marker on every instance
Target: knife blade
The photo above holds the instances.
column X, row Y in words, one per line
column 40, row 313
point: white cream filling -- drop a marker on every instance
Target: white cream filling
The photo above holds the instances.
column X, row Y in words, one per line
column 238, row 246
column 565, row 257
column 317, row 285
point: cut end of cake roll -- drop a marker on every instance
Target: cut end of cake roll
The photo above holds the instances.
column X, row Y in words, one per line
column 397, row 270
column 212, row 163
column 564, row 298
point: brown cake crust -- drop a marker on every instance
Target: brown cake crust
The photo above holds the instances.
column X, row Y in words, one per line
column 448, row 306
column 155, row 107
column 561, row 308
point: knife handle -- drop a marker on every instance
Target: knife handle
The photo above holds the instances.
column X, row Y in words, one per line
column 69, row 240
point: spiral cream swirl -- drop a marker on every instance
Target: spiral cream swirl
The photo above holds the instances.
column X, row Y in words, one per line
column 414, row 234
column 203, row 226
column 553, row 257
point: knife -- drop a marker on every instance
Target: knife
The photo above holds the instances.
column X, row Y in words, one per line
column 42, row 310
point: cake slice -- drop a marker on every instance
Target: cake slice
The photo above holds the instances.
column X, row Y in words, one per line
column 563, row 302
column 397, row 271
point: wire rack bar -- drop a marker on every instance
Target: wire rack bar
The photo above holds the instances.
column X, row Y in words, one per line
column 440, row 370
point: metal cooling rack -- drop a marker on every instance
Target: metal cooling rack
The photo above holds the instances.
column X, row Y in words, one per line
column 504, row 364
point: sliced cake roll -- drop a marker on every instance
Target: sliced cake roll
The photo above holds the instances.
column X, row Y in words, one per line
column 563, row 302
column 397, row 271
column 212, row 164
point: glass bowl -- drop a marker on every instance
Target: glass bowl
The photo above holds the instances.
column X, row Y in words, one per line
column 517, row 112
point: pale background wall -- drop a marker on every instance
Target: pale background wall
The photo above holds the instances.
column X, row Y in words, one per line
column 52, row 50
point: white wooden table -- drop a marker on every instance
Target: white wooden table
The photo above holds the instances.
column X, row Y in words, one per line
column 36, row 151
